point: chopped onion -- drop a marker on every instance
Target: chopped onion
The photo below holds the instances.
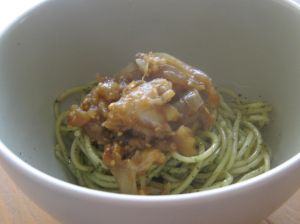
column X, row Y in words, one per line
column 193, row 100
column 190, row 102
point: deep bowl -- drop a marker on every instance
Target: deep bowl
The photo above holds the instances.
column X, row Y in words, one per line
column 250, row 46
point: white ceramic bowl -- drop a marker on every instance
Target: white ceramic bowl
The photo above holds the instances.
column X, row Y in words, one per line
column 251, row 46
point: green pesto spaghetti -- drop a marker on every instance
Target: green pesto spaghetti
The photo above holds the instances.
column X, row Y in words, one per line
column 232, row 151
column 159, row 127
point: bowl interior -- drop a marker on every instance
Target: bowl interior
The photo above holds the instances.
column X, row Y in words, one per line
column 249, row 46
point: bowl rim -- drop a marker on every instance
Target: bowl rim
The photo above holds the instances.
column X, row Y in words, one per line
column 68, row 188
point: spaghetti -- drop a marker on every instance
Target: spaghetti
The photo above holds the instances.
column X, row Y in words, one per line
column 231, row 151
